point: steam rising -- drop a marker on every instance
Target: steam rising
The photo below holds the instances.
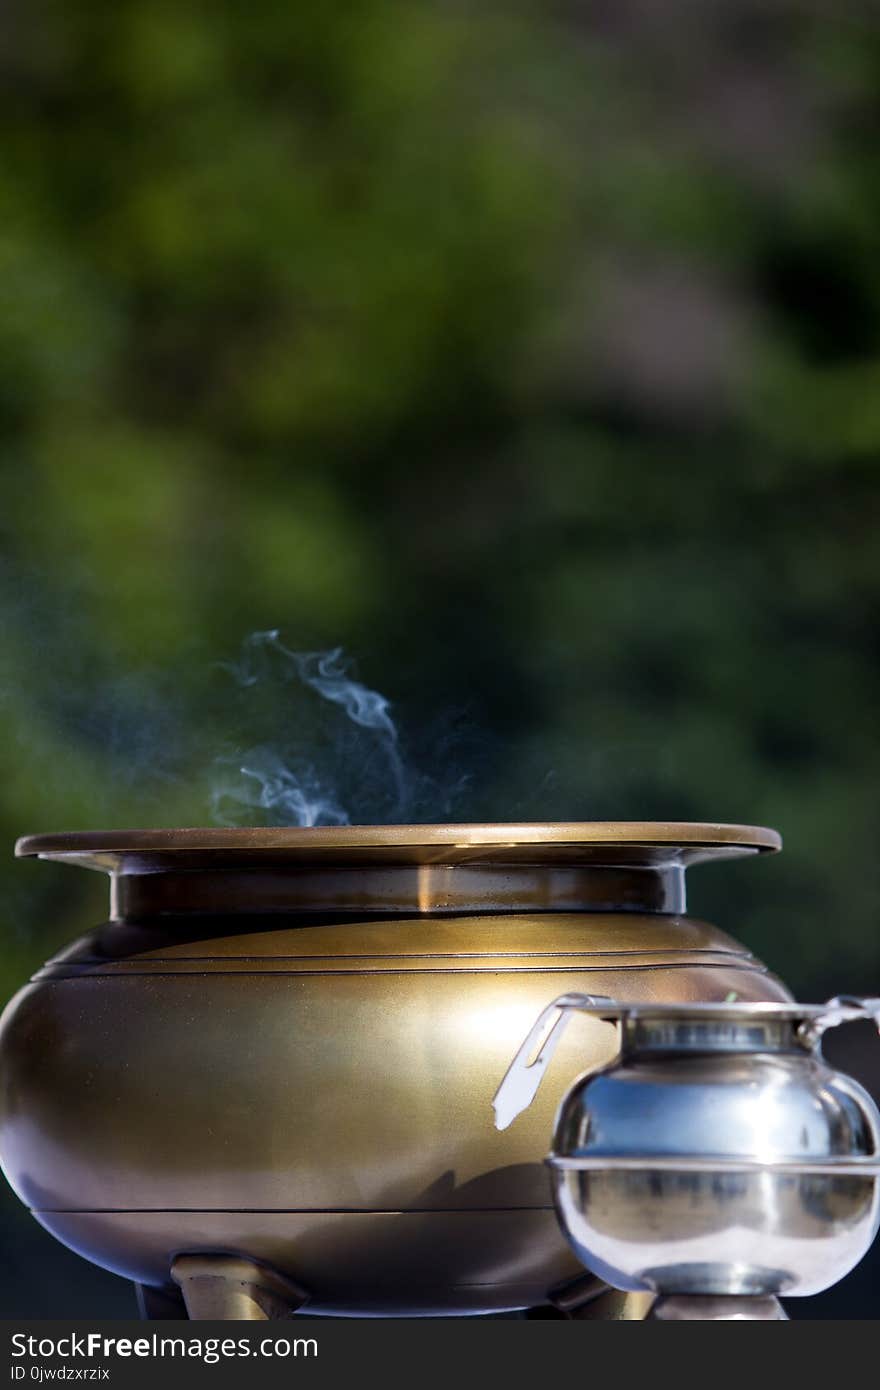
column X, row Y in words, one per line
column 306, row 783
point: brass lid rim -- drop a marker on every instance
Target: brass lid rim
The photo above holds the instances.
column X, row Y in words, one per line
column 451, row 837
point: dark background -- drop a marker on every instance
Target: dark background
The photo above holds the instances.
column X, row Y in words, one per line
column 529, row 352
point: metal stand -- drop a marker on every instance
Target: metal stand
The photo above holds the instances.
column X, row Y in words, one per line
column 220, row 1287
column 715, row 1307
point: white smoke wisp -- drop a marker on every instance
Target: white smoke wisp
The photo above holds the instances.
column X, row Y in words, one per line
column 290, row 787
column 261, row 780
column 325, row 672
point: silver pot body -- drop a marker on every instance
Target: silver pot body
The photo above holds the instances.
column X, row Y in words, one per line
column 718, row 1231
column 717, row 1155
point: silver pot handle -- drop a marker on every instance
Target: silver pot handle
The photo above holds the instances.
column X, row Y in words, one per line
column 522, row 1078
column 843, row 1008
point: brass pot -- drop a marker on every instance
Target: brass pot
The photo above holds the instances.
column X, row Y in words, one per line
column 283, row 1045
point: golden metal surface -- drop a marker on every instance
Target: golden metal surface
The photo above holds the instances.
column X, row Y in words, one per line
column 615, row 1305
column 217, row 1287
column 369, row 1264
column 588, row 1299
column 579, row 841
column 312, row 1091
column 389, row 889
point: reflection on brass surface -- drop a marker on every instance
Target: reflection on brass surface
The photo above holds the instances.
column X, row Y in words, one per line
column 235, row 1064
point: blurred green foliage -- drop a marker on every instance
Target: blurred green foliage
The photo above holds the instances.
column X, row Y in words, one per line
column 532, row 355
column 531, row 352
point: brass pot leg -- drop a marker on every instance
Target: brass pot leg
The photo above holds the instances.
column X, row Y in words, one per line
column 589, row 1299
column 221, row 1287
column 615, row 1305
column 694, row 1307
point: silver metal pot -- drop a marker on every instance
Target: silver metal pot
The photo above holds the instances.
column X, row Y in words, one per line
column 718, row 1154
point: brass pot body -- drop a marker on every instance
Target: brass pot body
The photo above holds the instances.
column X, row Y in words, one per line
column 293, row 1060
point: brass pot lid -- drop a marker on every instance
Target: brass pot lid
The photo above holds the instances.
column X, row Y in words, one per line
column 638, row 844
